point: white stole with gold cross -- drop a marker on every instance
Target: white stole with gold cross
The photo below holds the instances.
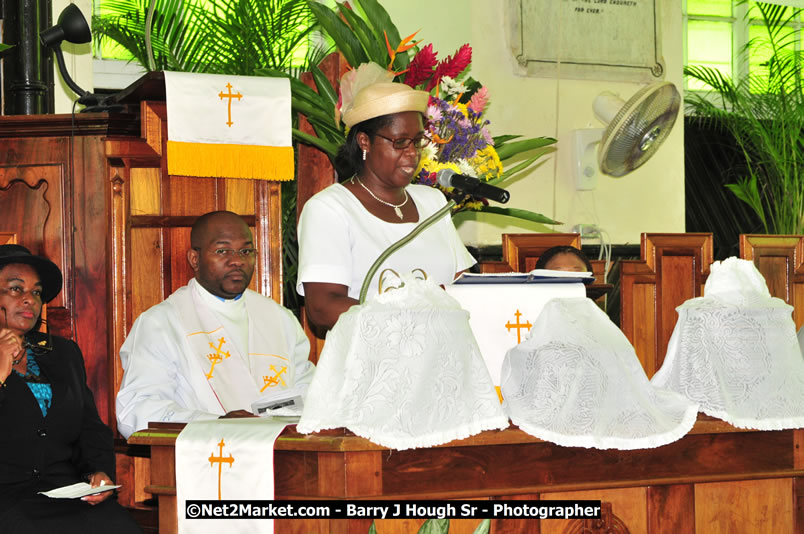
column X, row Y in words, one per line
column 236, row 374
column 225, row 459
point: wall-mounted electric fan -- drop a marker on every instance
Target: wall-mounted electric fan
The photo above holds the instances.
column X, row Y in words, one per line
column 634, row 131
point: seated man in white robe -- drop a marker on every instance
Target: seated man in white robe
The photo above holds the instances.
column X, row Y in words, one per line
column 213, row 347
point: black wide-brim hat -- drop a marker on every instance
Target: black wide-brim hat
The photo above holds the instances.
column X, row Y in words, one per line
column 49, row 273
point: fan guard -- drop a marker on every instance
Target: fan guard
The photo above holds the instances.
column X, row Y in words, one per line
column 638, row 129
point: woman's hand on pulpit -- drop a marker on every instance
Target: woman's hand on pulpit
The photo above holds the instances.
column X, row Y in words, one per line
column 95, row 480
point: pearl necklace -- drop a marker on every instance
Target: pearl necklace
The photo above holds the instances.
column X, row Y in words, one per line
column 381, row 201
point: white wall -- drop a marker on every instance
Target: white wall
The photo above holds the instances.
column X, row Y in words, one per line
column 77, row 58
column 651, row 199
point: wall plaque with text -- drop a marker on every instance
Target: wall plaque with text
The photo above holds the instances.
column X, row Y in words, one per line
column 597, row 39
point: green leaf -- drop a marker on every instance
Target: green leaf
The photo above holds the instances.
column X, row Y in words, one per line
column 519, row 214
column 341, row 34
column 372, row 529
column 508, row 150
column 330, row 148
column 324, row 87
column 501, row 139
column 435, row 526
column 381, row 22
column 375, row 50
column 5, row 47
column 513, row 171
column 483, row 527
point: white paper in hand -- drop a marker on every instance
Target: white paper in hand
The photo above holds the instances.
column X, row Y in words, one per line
column 76, row 491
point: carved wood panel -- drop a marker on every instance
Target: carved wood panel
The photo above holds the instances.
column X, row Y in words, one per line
column 32, row 197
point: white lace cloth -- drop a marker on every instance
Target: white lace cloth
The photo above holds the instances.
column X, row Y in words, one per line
column 735, row 352
column 403, row 370
column 576, row 381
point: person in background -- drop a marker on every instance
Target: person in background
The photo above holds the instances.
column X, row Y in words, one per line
column 214, row 346
column 344, row 228
column 564, row 258
column 52, row 435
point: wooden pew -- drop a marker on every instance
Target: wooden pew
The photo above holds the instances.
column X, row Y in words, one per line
column 520, row 252
column 780, row 259
column 672, row 269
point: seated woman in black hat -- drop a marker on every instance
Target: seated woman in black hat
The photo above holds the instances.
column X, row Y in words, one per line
column 52, row 435
column 345, row 227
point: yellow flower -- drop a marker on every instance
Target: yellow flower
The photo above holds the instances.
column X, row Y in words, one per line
column 487, row 163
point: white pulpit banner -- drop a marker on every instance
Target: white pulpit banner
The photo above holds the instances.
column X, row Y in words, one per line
column 225, row 459
column 501, row 314
column 229, row 126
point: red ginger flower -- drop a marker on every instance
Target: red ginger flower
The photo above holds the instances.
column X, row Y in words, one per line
column 452, row 67
column 421, row 67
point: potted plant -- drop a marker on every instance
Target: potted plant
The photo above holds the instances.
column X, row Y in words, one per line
column 764, row 113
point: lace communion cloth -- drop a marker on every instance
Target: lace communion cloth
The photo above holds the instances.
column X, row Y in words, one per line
column 735, row 352
column 404, row 371
column 577, row 382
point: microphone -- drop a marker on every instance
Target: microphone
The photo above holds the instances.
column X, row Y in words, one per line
column 471, row 185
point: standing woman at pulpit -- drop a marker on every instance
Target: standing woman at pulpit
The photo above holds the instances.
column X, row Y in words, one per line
column 51, row 433
column 345, row 227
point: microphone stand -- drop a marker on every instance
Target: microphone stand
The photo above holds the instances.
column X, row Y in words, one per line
column 422, row 226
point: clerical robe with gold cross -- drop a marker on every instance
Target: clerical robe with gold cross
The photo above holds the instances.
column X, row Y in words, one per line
column 195, row 357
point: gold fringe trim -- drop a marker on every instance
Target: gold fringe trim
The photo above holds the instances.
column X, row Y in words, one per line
column 230, row 161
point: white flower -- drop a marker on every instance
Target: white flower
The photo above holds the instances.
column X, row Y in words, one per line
column 466, row 168
column 452, row 87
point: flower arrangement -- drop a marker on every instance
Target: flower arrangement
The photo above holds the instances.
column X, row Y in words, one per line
column 455, row 115
column 459, row 134
column 460, row 140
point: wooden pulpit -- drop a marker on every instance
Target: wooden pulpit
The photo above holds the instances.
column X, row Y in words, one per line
column 92, row 193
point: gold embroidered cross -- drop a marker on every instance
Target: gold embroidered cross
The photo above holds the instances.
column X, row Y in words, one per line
column 230, row 96
column 518, row 326
column 220, row 460
column 271, row 381
column 216, row 357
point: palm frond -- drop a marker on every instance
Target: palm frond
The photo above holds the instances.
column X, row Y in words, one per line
column 764, row 112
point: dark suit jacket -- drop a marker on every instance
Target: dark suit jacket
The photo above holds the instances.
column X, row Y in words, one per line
column 41, row 453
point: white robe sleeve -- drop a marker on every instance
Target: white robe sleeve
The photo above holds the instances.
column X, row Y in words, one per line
column 155, row 385
column 300, row 350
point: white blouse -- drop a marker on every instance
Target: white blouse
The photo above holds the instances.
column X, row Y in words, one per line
column 339, row 240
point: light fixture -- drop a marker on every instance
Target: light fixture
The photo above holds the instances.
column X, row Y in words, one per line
column 73, row 28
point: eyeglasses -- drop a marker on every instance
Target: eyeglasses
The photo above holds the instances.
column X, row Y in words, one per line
column 41, row 347
column 401, row 143
column 245, row 253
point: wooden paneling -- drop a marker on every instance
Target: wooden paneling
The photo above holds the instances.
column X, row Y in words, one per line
column 145, row 191
column 671, row 509
column 627, row 505
column 715, row 479
column 747, row 507
column 146, row 247
column 780, row 259
column 672, row 269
